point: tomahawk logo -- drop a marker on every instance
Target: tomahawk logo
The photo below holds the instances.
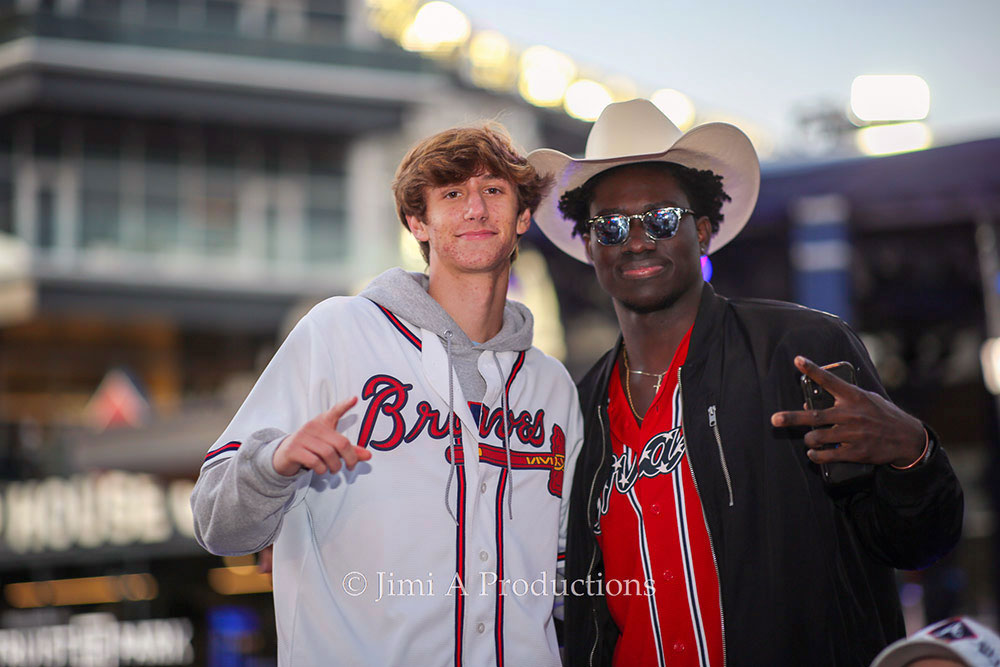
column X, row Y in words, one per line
column 660, row 456
column 952, row 631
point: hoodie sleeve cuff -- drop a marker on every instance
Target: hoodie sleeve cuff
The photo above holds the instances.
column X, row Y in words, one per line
column 258, row 453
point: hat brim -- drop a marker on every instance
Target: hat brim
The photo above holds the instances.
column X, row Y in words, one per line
column 719, row 147
column 905, row 651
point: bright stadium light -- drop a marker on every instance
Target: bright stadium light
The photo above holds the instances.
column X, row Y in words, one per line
column 545, row 76
column 491, row 61
column 437, row 27
column 890, row 98
column 586, row 99
column 675, row 105
column 895, row 138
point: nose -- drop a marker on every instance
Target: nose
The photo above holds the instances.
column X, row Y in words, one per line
column 637, row 240
column 475, row 206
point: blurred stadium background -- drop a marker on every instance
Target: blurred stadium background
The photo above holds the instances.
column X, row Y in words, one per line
column 181, row 179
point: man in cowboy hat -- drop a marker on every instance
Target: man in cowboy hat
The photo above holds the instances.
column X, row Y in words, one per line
column 708, row 524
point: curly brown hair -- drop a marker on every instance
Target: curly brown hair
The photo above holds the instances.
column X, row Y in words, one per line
column 454, row 156
column 703, row 188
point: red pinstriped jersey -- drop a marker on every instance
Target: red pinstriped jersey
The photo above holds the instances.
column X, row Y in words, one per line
column 660, row 577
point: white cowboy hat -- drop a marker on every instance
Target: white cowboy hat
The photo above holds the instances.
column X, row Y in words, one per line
column 636, row 131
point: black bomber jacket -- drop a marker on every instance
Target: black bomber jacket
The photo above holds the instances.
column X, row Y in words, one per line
column 805, row 569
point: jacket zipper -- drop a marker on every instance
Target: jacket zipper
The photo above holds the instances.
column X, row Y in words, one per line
column 714, row 423
column 711, row 542
column 593, row 556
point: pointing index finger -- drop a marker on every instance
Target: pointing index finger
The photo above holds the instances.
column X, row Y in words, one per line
column 333, row 415
column 824, row 378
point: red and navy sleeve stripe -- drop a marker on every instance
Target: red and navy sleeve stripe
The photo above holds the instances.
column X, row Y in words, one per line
column 228, row 447
column 402, row 328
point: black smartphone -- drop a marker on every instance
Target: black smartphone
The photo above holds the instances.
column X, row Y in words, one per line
column 818, row 398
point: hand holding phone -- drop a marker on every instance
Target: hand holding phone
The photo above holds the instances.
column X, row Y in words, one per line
column 871, row 428
column 818, row 398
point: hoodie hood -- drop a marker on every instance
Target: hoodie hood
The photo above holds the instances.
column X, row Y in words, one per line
column 405, row 294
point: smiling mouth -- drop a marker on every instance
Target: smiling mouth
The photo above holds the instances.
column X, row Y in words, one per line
column 639, row 272
column 478, row 234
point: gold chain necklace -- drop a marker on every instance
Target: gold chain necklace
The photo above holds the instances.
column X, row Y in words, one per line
column 628, row 388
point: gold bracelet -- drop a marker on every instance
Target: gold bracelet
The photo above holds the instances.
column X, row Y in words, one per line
column 927, row 446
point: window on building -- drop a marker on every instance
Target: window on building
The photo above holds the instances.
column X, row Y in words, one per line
column 100, row 204
column 45, row 217
column 221, row 15
column 6, row 184
column 325, row 220
column 327, row 21
column 6, row 205
column 218, row 211
column 161, row 210
column 164, row 13
column 101, row 9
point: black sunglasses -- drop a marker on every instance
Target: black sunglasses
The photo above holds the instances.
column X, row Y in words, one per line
column 659, row 223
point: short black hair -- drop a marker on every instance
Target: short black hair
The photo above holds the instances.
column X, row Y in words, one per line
column 702, row 187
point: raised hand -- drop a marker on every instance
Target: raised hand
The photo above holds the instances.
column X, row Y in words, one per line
column 319, row 446
column 868, row 428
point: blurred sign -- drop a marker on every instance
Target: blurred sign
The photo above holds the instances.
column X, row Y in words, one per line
column 117, row 402
column 112, row 508
column 100, row 640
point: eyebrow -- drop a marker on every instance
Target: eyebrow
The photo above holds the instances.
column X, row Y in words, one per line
column 649, row 207
column 488, row 177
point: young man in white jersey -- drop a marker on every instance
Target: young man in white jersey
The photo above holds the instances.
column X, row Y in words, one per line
column 698, row 477
column 405, row 449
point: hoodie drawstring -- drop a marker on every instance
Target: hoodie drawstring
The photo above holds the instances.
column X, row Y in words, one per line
column 506, row 435
column 451, row 428
column 504, row 405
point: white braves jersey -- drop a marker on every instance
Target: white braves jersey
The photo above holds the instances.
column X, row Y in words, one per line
column 369, row 567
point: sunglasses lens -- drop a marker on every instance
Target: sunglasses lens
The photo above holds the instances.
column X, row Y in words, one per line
column 662, row 223
column 611, row 230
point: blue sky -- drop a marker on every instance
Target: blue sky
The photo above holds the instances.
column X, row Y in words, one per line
column 763, row 61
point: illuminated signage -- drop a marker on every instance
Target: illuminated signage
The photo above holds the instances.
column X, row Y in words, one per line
column 99, row 640
column 111, row 508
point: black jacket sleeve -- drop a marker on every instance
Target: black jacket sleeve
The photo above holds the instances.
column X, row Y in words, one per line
column 906, row 519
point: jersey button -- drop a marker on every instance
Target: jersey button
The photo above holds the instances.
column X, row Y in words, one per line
column 655, row 508
column 481, row 628
column 483, row 556
column 482, row 487
column 668, row 575
column 679, row 647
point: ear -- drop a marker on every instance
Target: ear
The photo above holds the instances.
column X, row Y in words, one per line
column 417, row 228
column 586, row 246
column 523, row 221
column 704, row 226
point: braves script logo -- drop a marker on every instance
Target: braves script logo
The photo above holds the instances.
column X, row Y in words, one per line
column 661, row 456
column 387, row 397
